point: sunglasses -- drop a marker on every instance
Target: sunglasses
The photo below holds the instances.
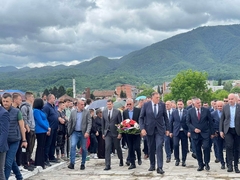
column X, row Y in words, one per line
column 225, row 101
column 129, row 104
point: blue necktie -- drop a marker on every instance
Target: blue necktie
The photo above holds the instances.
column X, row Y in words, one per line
column 180, row 115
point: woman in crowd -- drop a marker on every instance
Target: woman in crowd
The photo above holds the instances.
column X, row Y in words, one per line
column 101, row 142
column 42, row 129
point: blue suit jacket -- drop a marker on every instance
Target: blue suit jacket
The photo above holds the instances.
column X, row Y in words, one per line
column 204, row 124
column 176, row 123
column 4, row 127
column 216, row 120
column 148, row 121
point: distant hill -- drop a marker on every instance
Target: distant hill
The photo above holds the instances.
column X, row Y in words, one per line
column 212, row 49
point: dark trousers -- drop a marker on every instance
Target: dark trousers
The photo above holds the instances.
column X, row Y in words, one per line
column 41, row 139
column 155, row 145
column 218, row 148
column 232, row 146
column 101, row 146
column 19, row 154
column 145, row 146
column 30, row 137
column 124, row 140
column 134, row 142
column 50, row 145
column 2, row 163
column 184, row 144
column 93, row 143
column 202, row 143
column 61, row 136
column 109, row 140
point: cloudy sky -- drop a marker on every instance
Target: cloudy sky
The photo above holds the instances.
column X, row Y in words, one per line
column 52, row 32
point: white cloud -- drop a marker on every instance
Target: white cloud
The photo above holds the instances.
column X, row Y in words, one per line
column 69, row 31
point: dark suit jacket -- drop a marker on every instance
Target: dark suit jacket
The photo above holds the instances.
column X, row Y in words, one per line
column 148, row 121
column 216, row 120
column 204, row 124
column 115, row 119
column 4, row 126
column 136, row 114
column 225, row 119
column 176, row 123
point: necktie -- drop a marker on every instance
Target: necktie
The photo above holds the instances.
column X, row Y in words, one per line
column 155, row 110
column 168, row 114
column 198, row 114
column 220, row 114
column 180, row 115
column 109, row 114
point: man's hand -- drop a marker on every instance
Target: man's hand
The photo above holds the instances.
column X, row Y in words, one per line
column 61, row 120
column 103, row 136
column 119, row 136
column 189, row 134
column 222, row 135
column 86, row 135
column 196, row 130
column 167, row 133
column 171, row 135
column 24, row 144
column 49, row 132
column 212, row 136
column 143, row 133
column 97, row 133
column 27, row 128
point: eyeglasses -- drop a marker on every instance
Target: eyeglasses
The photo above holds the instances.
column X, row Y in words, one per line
column 225, row 101
column 129, row 104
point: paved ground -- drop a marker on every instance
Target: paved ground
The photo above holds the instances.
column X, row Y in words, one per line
column 94, row 171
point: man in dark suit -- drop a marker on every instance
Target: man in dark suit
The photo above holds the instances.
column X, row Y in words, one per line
column 199, row 122
column 134, row 141
column 154, row 124
column 111, row 117
column 218, row 140
column 179, row 131
column 229, row 129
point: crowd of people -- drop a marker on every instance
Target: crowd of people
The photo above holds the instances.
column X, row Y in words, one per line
column 65, row 129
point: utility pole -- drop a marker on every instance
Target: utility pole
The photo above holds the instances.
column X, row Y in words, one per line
column 74, row 88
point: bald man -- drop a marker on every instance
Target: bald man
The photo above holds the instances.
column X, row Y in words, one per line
column 229, row 129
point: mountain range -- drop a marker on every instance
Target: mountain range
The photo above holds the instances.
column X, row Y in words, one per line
column 214, row 49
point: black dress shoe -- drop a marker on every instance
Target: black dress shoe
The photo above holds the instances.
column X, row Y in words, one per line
column 132, row 166
column 177, row 163
column 183, row 163
column 168, row 160
column 121, row 163
column 200, row 168
column 223, row 166
column 82, row 167
column 207, row 167
column 160, row 171
column 128, row 163
column 71, row 166
column 236, row 169
column 151, row 168
column 230, row 168
column 139, row 162
column 107, row 168
column 217, row 160
column 194, row 155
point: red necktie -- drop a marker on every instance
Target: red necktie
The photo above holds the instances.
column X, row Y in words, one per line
column 198, row 114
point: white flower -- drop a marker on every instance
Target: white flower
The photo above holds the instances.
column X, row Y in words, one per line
column 136, row 125
column 127, row 120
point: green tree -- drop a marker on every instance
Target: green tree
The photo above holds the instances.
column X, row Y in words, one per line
column 55, row 92
column 220, row 82
column 69, row 92
column 227, row 86
column 146, row 92
column 235, row 90
column 220, row 94
column 61, row 91
column 46, row 92
column 159, row 90
column 190, row 83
